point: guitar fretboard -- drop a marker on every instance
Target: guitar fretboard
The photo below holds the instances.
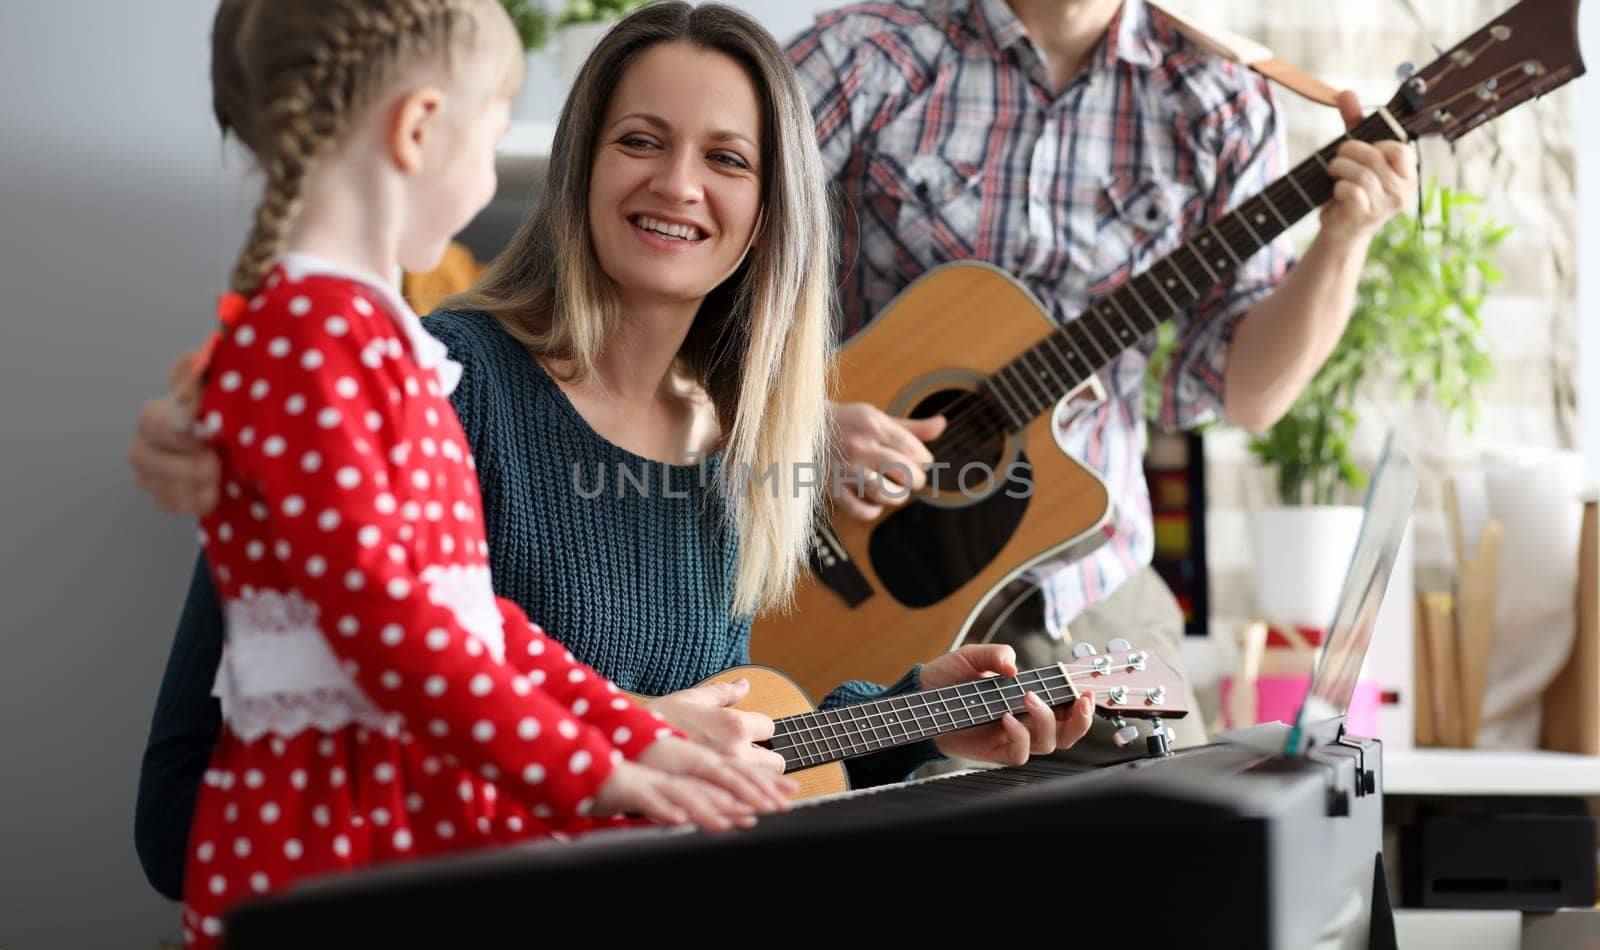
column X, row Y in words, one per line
column 834, row 734
column 1038, row 379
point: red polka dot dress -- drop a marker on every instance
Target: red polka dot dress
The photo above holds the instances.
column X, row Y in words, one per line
column 379, row 702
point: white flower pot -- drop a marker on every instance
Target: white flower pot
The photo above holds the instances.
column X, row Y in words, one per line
column 574, row 42
column 1301, row 554
column 1301, row 557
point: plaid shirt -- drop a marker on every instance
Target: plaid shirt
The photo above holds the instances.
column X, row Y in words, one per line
column 943, row 137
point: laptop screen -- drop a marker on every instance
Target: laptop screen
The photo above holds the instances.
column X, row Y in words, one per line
column 1390, row 495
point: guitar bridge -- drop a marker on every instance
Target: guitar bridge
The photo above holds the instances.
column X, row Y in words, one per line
column 835, row 568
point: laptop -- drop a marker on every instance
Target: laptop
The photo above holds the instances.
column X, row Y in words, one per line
column 1390, row 495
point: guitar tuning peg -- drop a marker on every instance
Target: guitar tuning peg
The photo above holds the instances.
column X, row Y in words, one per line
column 1404, row 70
column 1118, row 645
column 1081, row 650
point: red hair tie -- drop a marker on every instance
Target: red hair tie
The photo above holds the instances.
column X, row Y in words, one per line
column 230, row 307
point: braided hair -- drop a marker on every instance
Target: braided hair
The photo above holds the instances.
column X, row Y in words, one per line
column 286, row 77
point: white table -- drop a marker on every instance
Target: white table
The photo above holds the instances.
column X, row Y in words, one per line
column 1485, row 772
column 1442, row 772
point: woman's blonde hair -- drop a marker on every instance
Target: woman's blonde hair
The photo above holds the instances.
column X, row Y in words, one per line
column 287, row 75
column 760, row 342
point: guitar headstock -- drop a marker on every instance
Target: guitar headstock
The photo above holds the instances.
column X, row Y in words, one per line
column 1525, row 52
column 1132, row 683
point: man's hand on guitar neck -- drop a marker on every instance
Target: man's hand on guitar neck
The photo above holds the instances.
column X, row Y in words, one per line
column 1008, row 741
column 1371, row 182
column 877, row 454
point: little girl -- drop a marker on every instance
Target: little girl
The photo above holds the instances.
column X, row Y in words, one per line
column 379, row 701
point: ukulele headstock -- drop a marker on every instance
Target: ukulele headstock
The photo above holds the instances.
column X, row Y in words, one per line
column 1131, row 683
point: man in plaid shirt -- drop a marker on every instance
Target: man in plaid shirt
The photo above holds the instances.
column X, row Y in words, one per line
column 1072, row 143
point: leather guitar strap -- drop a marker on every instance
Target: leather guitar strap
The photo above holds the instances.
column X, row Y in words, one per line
column 1252, row 54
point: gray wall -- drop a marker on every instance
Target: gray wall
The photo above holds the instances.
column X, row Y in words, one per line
column 118, row 221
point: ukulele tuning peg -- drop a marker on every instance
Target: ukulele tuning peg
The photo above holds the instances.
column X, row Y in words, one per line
column 1081, row 650
column 1125, row 733
column 1404, row 70
column 1159, row 742
column 1118, row 645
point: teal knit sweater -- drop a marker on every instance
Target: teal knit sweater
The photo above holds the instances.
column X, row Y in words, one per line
column 627, row 561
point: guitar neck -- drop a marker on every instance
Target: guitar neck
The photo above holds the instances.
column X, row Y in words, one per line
column 845, row 733
column 1038, row 379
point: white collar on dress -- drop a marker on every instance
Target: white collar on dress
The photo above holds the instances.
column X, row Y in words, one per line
column 428, row 351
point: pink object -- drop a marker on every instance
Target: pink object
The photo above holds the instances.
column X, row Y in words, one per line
column 1278, row 699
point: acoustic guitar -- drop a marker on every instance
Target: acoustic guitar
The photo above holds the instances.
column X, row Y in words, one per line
column 1127, row 684
column 968, row 341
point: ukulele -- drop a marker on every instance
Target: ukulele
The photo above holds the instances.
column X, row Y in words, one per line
column 1127, row 684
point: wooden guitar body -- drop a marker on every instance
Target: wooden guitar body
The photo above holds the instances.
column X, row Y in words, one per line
column 776, row 695
column 925, row 570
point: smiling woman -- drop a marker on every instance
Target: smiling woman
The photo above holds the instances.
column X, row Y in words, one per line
column 677, row 183
column 676, row 187
column 685, row 158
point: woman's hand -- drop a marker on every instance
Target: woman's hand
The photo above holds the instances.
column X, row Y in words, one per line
column 167, row 460
column 706, row 715
column 1009, row 740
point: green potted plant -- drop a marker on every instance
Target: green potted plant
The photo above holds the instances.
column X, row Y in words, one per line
column 1415, row 332
column 532, row 21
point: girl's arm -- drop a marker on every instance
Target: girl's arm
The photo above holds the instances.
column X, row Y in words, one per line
column 591, row 697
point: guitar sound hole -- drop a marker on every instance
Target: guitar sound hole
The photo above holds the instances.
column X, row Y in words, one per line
column 924, row 553
column 972, row 444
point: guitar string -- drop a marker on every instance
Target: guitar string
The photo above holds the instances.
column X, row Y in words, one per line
column 914, row 723
column 1230, row 229
column 1048, row 678
column 961, row 434
column 845, row 746
column 911, row 722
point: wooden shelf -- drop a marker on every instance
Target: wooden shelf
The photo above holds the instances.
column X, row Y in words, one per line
column 1488, row 772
